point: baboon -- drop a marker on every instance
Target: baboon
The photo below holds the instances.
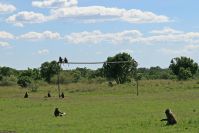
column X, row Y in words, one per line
column 26, row 95
column 60, row 60
column 49, row 95
column 65, row 60
column 62, row 95
column 170, row 117
column 58, row 113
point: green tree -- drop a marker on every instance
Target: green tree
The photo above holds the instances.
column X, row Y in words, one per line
column 24, row 81
column 76, row 76
column 36, row 75
column 49, row 69
column 120, row 72
column 183, row 67
column 32, row 73
column 7, row 71
column 97, row 73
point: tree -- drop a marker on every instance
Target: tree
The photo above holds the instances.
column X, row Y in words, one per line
column 83, row 71
column 24, row 81
column 7, row 71
column 183, row 67
column 32, row 73
column 120, row 72
column 49, row 69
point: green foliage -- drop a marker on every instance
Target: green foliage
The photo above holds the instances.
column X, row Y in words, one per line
column 122, row 72
column 65, row 77
column 8, row 76
column 49, row 69
column 84, row 72
column 96, row 73
column 24, row 81
column 156, row 73
column 138, row 76
column 97, row 80
column 184, row 74
column 8, row 81
column 32, row 73
column 7, row 71
column 76, row 76
column 183, row 67
column 26, row 78
column 34, row 86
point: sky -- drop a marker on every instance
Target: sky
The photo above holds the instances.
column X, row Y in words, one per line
column 151, row 31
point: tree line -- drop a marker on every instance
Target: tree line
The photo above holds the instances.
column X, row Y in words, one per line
column 180, row 68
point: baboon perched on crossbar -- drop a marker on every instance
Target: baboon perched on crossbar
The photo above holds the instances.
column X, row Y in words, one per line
column 58, row 113
column 171, row 120
column 26, row 95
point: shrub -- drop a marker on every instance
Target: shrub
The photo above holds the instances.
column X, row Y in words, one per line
column 8, row 81
column 24, row 81
column 34, row 87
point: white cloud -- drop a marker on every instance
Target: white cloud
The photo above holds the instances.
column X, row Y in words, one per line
column 4, row 44
column 190, row 37
column 7, row 8
column 92, row 14
column 166, row 30
column 40, row 36
column 54, row 3
column 98, row 37
column 185, row 50
column 24, row 17
column 132, row 37
column 6, row 35
column 100, row 13
column 43, row 52
column 68, row 10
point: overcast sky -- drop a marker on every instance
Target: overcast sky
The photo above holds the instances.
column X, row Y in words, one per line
column 151, row 31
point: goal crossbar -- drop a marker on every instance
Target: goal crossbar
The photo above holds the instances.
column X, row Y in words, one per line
column 103, row 62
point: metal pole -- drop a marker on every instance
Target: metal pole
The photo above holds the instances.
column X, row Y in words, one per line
column 58, row 81
column 137, row 88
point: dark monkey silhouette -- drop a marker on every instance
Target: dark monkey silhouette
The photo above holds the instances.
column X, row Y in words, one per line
column 26, row 95
column 58, row 113
column 171, row 120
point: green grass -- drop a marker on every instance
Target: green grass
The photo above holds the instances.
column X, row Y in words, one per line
column 98, row 108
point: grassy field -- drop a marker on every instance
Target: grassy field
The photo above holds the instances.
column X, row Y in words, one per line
column 98, row 108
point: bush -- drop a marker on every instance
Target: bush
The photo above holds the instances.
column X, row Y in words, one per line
column 34, row 87
column 184, row 74
column 8, row 81
column 24, row 81
column 64, row 78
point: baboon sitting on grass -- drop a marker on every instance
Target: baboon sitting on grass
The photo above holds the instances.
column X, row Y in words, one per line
column 49, row 95
column 62, row 95
column 58, row 113
column 26, row 95
column 170, row 117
